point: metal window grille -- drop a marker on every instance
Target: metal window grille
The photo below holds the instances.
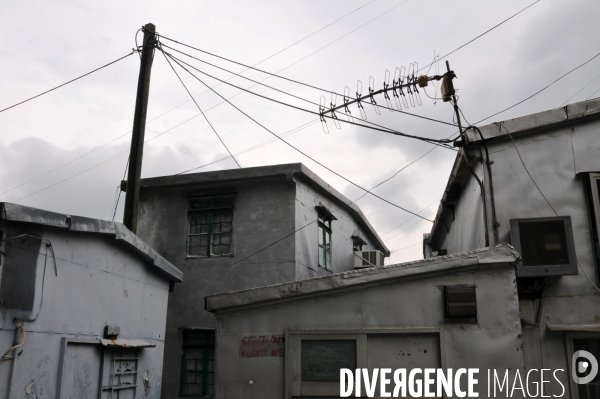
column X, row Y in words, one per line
column 198, row 364
column 325, row 243
column 210, row 226
column 123, row 373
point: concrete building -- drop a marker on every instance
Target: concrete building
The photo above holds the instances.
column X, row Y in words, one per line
column 237, row 229
column 290, row 340
column 540, row 187
column 83, row 306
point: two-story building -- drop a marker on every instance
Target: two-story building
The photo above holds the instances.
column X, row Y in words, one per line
column 238, row 229
column 536, row 186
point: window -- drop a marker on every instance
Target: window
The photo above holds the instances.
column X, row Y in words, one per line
column 316, row 357
column 591, row 344
column 198, row 364
column 594, row 194
column 317, row 360
column 546, row 246
column 324, row 243
column 460, row 304
column 210, row 226
column 357, row 241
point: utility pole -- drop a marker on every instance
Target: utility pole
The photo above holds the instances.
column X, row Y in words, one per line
column 132, row 197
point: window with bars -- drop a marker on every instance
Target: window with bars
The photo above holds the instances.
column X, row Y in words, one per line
column 325, row 242
column 210, row 226
column 198, row 364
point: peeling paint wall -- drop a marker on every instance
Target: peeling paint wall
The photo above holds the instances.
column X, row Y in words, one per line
column 100, row 281
column 384, row 312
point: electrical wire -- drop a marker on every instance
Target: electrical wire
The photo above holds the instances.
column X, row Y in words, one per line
column 410, row 218
column 120, row 191
column 484, row 33
column 66, row 83
column 546, row 199
column 313, row 222
column 593, row 94
column 539, row 91
column 199, row 109
column 295, row 148
column 382, row 128
column 314, row 52
column 580, row 90
column 278, row 76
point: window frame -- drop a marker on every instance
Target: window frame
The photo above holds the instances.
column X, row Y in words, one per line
column 182, row 370
column 210, row 211
column 324, row 228
column 545, row 270
column 325, row 388
column 594, row 181
column 293, row 354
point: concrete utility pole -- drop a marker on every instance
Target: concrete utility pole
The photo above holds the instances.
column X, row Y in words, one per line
column 132, row 197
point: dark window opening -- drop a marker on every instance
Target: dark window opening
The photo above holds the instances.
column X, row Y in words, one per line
column 460, row 303
column 198, row 364
column 543, row 243
column 323, row 359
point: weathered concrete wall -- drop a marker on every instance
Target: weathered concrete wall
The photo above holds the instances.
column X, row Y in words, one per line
column 263, row 213
column 382, row 311
column 307, row 198
column 553, row 156
column 100, row 281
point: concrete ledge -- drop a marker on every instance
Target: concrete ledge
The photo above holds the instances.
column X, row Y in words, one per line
column 500, row 255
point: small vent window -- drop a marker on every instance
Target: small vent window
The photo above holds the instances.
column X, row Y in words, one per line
column 460, row 303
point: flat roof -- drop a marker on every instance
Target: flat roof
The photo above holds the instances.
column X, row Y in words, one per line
column 25, row 214
column 260, row 173
column 499, row 255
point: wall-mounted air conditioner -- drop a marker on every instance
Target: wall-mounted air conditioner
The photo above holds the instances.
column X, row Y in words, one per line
column 546, row 246
column 365, row 259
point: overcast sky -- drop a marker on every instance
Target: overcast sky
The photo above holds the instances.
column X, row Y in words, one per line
column 47, row 43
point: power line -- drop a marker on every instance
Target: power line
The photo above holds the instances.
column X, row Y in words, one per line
column 199, row 109
column 410, row 218
column 593, row 94
column 580, row 90
column 483, row 34
column 298, row 150
column 379, row 128
column 66, row 83
column 292, row 95
column 539, row 91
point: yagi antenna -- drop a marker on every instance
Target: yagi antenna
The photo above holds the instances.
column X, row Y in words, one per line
column 332, row 110
column 346, row 101
column 386, row 85
column 371, row 91
column 322, row 110
column 358, row 96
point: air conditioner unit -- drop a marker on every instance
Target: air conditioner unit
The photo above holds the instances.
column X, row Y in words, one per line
column 365, row 259
column 546, row 245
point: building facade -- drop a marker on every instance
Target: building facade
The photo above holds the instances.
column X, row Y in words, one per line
column 237, row 229
column 539, row 190
column 290, row 340
column 83, row 306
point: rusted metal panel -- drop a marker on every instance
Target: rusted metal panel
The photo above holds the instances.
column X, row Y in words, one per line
column 126, row 343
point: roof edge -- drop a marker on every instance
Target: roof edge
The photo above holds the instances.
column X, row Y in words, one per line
column 498, row 255
column 25, row 214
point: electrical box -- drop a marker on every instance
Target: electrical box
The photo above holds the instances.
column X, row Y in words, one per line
column 366, row 259
column 546, row 246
